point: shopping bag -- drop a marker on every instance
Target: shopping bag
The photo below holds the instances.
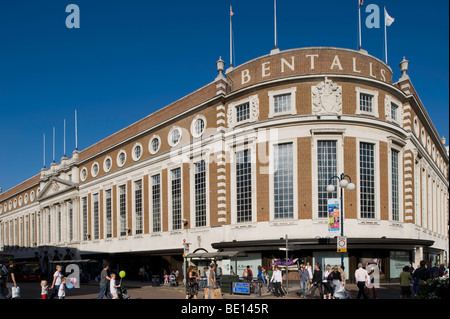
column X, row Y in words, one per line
column 15, row 292
column 216, row 293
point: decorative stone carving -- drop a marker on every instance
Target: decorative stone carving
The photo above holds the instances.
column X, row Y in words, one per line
column 326, row 98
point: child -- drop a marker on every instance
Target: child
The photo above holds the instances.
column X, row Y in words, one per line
column 62, row 289
column 405, row 278
column 44, row 289
column 166, row 279
column 113, row 287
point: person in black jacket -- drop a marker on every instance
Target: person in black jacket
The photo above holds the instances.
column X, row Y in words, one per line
column 316, row 281
column 418, row 275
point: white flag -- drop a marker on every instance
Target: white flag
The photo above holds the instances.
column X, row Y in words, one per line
column 388, row 20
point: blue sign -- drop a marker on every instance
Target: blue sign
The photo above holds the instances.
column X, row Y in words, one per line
column 241, row 288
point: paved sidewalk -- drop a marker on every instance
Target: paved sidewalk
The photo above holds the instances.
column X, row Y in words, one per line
column 144, row 290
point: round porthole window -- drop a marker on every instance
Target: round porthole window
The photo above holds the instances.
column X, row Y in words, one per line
column 107, row 163
column 174, row 136
column 154, row 144
column 121, row 158
column 83, row 174
column 198, row 126
column 137, row 151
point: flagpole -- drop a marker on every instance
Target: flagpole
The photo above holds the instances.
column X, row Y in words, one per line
column 44, row 151
column 275, row 22
column 76, row 137
column 359, row 16
column 64, row 137
column 231, row 37
column 385, row 36
column 53, row 144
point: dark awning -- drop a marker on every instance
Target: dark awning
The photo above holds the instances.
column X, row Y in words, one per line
column 77, row 261
column 218, row 255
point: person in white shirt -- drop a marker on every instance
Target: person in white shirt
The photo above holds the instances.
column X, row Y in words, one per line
column 62, row 289
column 113, row 287
column 361, row 276
column 277, row 280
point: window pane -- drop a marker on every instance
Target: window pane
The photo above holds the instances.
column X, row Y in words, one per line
column 200, row 194
column 282, row 103
column 326, row 168
column 96, row 217
column 242, row 112
column 156, row 201
column 176, row 198
column 244, row 186
column 108, row 213
column 123, row 210
column 138, row 206
column 367, row 180
column 395, row 189
column 365, row 102
column 283, row 181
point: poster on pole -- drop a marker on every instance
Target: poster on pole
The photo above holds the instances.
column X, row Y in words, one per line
column 334, row 221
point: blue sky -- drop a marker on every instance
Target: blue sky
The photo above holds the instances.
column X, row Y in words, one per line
column 130, row 58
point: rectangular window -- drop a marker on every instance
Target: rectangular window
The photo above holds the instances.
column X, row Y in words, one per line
column 96, row 216
column 108, row 213
column 59, row 223
column 394, row 108
column 244, row 186
column 282, row 103
column 138, row 206
column 176, row 198
column 156, row 202
column 49, row 229
column 123, row 210
column 395, row 185
column 33, row 231
column 242, row 112
column 366, row 102
column 283, row 181
column 200, row 194
column 85, row 218
column 326, row 169
column 70, row 221
column 367, row 179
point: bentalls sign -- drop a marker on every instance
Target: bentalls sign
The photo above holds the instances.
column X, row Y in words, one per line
column 310, row 61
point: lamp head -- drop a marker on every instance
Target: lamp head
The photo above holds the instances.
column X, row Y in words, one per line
column 330, row 188
column 351, row 187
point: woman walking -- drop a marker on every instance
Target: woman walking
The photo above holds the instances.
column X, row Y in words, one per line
column 57, row 276
column 336, row 280
column 326, row 282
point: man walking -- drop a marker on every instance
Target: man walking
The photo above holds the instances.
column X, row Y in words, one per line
column 104, row 283
column 361, row 276
column 316, row 281
column 277, row 280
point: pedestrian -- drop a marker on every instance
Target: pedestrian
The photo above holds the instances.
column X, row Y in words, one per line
column 277, row 280
column 249, row 274
column 418, row 275
column 166, row 278
column 3, row 277
column 44, row 289
column 361, row 276
column 405, row 279
column 191, row 287
column 341, row 293
column 309, row 270
column 371, row 283
column 57, row 276
column 269, row 276
column 62, row 289
column 211, row 283
column 141, row 273
column 316, row 281
column 326, row 282
column 104, row 283
column 304, row 280
column 113, row 286
column 264, row 276
column 336, row 281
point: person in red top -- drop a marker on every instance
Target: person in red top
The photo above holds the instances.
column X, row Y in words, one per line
column 249, row 273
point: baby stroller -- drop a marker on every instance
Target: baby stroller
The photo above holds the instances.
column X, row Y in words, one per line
column 122, row 291
column 172, row 280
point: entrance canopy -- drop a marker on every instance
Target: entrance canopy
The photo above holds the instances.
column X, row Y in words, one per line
column 218, row 255
column 78, row 261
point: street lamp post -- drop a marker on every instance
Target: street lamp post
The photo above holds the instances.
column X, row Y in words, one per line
column 343, row 183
